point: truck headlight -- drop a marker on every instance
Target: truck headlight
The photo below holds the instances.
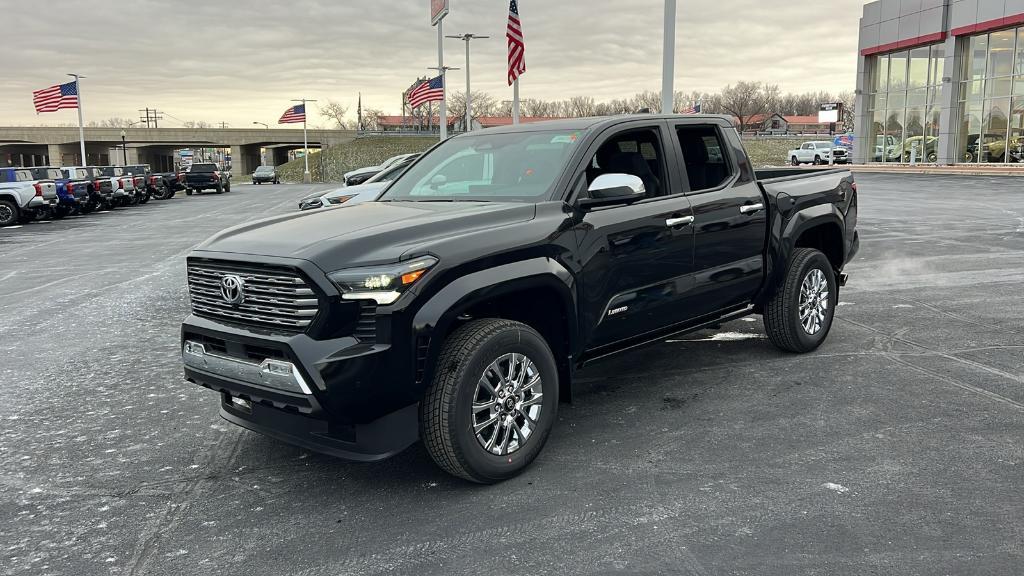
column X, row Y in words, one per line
column 382, row 284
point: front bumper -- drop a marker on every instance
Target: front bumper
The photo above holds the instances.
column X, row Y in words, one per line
column 332, row 396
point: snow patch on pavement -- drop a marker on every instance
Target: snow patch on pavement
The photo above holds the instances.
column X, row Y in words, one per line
column 836, row 487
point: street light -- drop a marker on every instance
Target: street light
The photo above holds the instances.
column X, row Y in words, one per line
column 124, row 145
column 267, row 126
column 469, row 104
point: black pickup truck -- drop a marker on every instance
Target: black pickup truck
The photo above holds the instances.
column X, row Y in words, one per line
column 456, row 307
column 207, row 176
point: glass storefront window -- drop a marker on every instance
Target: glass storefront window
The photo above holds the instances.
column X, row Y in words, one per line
column 898, row 71
column 992, row 123
column 904, row 104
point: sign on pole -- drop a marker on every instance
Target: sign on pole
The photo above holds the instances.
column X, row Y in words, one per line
column 438, row 10
column 829, row 112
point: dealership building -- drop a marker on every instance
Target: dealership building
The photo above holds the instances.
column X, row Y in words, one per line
column 941, row 81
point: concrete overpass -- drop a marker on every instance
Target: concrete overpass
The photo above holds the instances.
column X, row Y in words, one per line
column 39, row 145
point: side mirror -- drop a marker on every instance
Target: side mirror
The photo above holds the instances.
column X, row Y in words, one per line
column 612, row 189
column 437, row 181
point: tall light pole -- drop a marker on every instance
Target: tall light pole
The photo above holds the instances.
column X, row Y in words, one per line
column 124, row 146
column 668, row 58
column 306, row 178
column 267, row 126
column 469, row 99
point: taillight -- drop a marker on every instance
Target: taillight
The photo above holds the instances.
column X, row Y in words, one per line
column 120, row 183
column 180, row 176
column 39, row 189
column 216, row 176
column 96, row 185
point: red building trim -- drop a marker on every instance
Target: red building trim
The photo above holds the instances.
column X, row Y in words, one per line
column 989, row 25
column 908, row 43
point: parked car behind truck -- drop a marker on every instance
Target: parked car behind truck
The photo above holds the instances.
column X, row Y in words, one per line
column 456, row 308
column 818, row 153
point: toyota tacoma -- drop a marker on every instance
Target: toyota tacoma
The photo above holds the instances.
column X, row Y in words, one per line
column 455, row 308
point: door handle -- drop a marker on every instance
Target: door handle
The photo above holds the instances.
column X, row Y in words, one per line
column 751, row 208
column 681, row 221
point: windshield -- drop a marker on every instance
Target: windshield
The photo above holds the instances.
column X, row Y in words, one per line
column 203, row 168
column 520, row 166
column 264, row 169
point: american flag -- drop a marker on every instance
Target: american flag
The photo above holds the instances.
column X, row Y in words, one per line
column 428, row 91
column 695, row 109
column 56, row 98
column 295, row 114
column 516, row 47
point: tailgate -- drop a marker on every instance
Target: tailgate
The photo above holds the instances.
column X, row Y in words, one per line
column 49, row 189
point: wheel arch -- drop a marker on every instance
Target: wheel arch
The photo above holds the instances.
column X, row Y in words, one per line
column 537, row 292
column 819, row 227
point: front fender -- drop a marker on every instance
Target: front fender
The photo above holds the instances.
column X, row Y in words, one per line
column 442, row 310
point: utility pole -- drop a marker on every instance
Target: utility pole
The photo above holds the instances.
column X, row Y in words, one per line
column 469, row 99
column 151, row 116
column 223, row 125
column 306, row 178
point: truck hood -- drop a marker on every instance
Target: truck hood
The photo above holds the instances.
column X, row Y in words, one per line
column 368, row 233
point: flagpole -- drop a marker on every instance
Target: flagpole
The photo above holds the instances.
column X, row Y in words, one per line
column 81, row 124
column 515, row 101
column 444, row 81
column 306, row 178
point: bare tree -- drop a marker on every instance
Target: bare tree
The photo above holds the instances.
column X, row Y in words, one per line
column 483, row 104
column 335, row 112
column 116, row 123
column 581, row 107
column 195, row 124
column 746, row 100
column 371, row 118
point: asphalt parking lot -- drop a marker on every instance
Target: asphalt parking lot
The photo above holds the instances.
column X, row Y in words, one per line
column 896, row 448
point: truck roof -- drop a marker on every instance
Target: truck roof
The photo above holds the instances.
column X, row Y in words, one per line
column 596, row 122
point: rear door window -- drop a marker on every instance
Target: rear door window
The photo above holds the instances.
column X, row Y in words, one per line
column 707, row 165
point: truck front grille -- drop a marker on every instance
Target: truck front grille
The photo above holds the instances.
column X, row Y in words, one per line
column 274, row 297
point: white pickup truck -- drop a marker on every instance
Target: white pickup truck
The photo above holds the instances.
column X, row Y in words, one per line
column 22, row 196
column 819, row 152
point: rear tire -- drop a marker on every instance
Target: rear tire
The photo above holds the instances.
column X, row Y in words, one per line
column 490, row 362
column 9, row 213
column 220, row 188
column 800, row 314
column 188, row 192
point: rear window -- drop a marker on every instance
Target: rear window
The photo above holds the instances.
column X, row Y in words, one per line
column 23, row 176
column 46, row 174
column 203, row 168
column 112, row 171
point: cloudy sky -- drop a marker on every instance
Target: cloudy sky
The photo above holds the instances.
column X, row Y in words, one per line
column 238, row 62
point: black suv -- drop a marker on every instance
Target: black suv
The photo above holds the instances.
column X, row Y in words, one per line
column 457, row 306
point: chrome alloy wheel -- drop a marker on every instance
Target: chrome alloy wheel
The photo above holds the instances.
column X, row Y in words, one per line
column 507, row 404
column 813, row 301
column 6, row 213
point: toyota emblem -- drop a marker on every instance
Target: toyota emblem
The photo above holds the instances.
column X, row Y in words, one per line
column 232, row 289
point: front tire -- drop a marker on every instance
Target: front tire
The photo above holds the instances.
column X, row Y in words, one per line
column 795, row 161
column 817, row 160
column 492, row 402
column 188, row 192
column 799, row 316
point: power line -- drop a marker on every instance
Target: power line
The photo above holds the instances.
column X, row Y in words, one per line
column 151, row 117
